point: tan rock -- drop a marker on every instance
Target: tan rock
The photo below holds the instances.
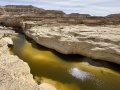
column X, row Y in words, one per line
column 96, row 42
column 15, row 73
column 46, row 86
column 12, row 15
column 8, row 40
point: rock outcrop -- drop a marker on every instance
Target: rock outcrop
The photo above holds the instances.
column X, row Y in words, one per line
column 19, row 9
column 12, row 15
column 113, row 15
column 77, row 15
column 98, row 42
column 14, row 72
column 8, row 40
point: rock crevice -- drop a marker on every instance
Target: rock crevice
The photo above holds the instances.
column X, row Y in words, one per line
column 14, row 72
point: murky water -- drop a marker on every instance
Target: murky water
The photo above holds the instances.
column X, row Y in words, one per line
column 66, row 72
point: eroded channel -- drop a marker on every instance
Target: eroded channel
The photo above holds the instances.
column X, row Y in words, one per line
column 66, row 72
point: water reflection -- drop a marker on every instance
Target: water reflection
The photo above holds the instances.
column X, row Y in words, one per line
column 79, row 74
column 66, row 72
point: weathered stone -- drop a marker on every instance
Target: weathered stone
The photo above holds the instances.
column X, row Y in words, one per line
column 22, row 9
column 3, row 47
column 78, row 15
column 113, row 15
column 15, row 73
column 97, row 42
column 7, row 32
column 46, row 86
column 14, row 14
column 8, row 40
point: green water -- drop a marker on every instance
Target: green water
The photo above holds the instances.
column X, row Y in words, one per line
column 65, row 72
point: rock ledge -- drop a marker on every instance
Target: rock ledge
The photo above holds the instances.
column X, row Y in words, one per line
column 97, row 42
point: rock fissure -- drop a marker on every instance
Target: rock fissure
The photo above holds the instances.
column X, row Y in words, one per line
column 14, row 72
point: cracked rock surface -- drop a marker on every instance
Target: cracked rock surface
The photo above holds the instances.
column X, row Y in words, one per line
column 97, row 42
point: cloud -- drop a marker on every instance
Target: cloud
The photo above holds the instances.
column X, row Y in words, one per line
column 93, row 7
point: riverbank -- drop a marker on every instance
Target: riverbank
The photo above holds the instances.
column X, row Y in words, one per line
column 66, row 72
column 14, row 72
column 96, row 42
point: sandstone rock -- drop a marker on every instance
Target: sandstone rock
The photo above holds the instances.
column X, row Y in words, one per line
column 113, row 15
column 3, row 47
column 78, row 15
column 14, row 14
column 17, row 9
column 6, row 31
column 15, row 73
column 46, row 86
column 54, row 13
column 8, row 40
column 96, row 42
column 11, row 20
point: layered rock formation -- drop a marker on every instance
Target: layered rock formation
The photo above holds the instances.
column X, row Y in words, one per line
column 98, row 42
column 18, row 13
column 99, row 39
column 19, row 9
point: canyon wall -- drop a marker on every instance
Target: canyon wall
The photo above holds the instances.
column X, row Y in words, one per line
column 17, row 13
column 92, row 36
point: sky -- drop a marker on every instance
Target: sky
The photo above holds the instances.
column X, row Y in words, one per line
column 92, row 7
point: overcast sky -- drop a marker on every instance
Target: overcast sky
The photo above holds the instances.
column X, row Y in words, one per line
column 93, row 7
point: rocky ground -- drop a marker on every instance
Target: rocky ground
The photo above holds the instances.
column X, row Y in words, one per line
column 14, row 72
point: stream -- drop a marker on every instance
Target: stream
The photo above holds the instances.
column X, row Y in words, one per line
column 66, row 72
